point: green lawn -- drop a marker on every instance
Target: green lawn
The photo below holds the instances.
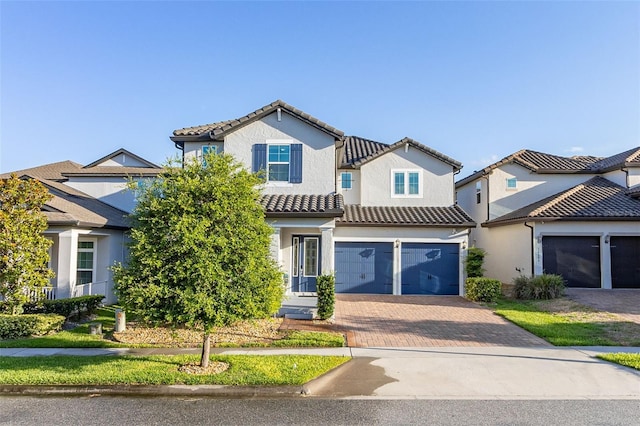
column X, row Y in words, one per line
column 628, row 360
column 245, row 370
column 564, row 329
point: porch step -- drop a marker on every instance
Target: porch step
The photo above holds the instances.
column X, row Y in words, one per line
column 299, row 315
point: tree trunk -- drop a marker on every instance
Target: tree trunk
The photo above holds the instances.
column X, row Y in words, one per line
column 206, row 350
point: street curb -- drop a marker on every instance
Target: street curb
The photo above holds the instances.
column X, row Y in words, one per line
column 311, row 386
column 220, row 391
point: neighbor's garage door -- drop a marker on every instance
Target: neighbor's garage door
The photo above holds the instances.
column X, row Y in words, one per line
column 577, row 259
column 430, row 268
column 364, row 268
column 625, row 262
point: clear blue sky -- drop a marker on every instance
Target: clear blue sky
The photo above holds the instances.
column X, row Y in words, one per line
column 474, row 80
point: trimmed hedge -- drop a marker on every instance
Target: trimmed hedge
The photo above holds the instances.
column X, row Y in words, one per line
column 474, row 261
column 326, row 288
column 545, row 286
column 482, row 289
column 83, row 305
column 16, row 326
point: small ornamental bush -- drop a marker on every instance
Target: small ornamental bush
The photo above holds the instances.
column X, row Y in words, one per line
column 540, row 287
column 16, row 326
column 326, row 288
column 481, row 289
column 83, row 305
column 474, row 261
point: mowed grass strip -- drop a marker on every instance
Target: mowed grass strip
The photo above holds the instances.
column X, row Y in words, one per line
column 556, row 328
column 246, row 370
column 626, row 359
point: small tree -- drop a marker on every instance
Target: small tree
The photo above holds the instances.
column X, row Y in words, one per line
column 24, row 251
column 199, row 251
column 474, row 262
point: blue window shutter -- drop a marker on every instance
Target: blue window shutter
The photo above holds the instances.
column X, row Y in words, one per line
column 296, row 163
column 259, row 157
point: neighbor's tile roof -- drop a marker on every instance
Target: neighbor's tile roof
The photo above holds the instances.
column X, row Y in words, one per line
column 220, row 129
column 72, row 207
column 358, row 151
column 634, row 191
column 409, row 216
column 624, row 159
column 596, row 199
column 53, row 171
column 303, row 205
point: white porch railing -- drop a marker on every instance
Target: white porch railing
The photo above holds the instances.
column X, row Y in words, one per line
column 90, row 289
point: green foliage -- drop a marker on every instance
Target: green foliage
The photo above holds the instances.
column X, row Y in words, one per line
column 199, row 252
column 23, row 249
column 326, row 289
column 539, row 287
column 482, row 289
column 310, row 339
column 474, row 261
column 16, row 326
column 79, row 306
column 627, row 359
column 244, row 370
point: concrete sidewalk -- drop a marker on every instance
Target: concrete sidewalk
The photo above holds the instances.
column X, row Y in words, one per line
column 430, row 373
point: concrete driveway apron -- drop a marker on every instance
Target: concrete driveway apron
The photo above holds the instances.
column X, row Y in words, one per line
column 425, row 321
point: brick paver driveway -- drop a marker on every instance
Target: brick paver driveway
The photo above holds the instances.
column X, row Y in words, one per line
column 422, row 321
column 624, row 302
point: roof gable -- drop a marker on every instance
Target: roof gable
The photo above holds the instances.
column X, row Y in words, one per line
column 359, row 151
column 218, row 130
column 596, row 199
column 119, row 158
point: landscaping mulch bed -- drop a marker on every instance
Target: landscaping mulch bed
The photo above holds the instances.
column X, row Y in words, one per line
column 262, row 331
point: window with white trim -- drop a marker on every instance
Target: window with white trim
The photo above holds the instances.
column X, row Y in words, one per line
column 85, row 267
column 278, row 161
column 406, row 183
column 512, row 183
column 347, row 180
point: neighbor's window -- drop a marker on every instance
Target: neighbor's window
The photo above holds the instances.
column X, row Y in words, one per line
column 406, row 183
column 346, row 180
column 478, row 192
column 86, row 262
column 512, row 183
column 278, row 163
column 206, row 150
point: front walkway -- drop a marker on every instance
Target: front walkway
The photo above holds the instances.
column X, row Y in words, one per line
column 623, row 302
column 425, row 321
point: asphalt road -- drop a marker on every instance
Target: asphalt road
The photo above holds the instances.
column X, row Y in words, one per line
column 107, row 411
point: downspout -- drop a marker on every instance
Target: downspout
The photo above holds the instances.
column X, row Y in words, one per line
column 488, row 198
column 180, row 146
column 626, row 172
column 533, row 242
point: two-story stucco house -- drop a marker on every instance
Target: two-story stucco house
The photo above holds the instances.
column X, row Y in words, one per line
column 86, row 219
column 381, row 217
column 575, row 216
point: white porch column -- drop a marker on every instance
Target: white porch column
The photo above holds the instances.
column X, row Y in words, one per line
column 276, row 252
column 67, row 263
column 328, row 266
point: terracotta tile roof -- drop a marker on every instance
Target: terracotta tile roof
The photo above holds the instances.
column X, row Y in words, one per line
column 408, row 216
column 624, row 159
column 218, row 130
column 53, row 171
column 358, row 151
column 634, row 191
column 72, row 207
column 303, row 205
column 596, row 199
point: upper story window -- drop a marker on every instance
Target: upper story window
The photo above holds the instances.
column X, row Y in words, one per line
column 347, row 180
column 206, row 150
column 512, row 183
column 478, row 192
column 279, row 160
column 278, row 163
column 406, row 183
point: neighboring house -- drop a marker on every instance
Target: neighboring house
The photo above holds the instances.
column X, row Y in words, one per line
column 575, row 216
column 381, row 217
column 86, row 219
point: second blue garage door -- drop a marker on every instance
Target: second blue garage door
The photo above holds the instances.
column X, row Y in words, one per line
column 364, row 268
column 430, row 268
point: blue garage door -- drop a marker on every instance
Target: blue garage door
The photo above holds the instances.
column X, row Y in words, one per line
column 430, row 268
column 364, row 268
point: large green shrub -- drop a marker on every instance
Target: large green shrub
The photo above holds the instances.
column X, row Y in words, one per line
column 16, row 326
column 480, row 289
column 474, row 261
column 83, row 305
column 545, row 286
column 326, row 288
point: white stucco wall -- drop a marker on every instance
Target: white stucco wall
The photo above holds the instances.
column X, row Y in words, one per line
column 634, row 176
column 318, row 153
column 376, row 177
column 109, row 190
column 123, row 160
column 351, row 196
column 508, row 251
